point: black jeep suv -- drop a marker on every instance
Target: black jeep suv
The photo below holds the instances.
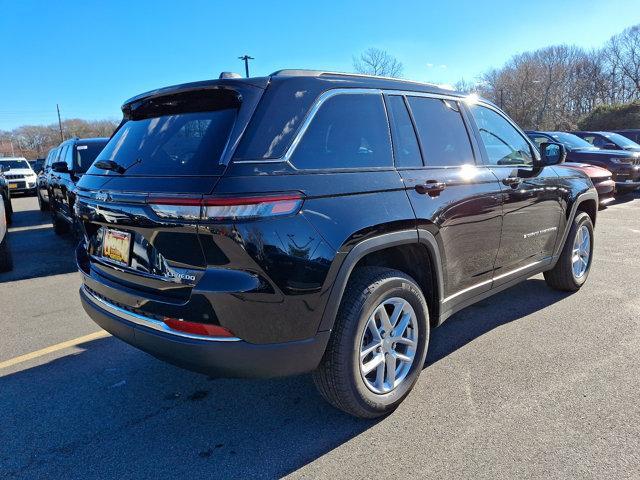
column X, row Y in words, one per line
column 63, row 169
column 323, row 222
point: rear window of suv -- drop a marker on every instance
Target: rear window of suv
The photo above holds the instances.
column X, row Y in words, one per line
column 348, row 131
column 174, row 136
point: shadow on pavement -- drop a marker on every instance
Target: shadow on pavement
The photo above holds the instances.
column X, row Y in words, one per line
column 36, row 250
column 111, row 411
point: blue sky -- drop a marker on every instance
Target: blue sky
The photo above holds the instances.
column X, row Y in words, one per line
column 90, row 56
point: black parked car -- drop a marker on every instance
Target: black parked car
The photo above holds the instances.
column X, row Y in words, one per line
column 609, row 141
column 42, row 182
column 5, row 191
column 322, row 222
column 625, row 166
column 37, row 165
column 631, row 133
column 61, row 175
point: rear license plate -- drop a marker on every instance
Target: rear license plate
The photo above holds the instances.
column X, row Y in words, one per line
column 13, row 185
column 116, row 246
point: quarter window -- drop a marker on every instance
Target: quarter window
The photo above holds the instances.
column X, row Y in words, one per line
column 503, row 143
column 443, row 136
column 405, row 143
column 348, row 131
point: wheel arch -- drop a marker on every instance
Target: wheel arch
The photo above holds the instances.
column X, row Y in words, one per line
column 393, row 250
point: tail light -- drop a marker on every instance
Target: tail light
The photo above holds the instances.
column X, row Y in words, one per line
column 225, row 208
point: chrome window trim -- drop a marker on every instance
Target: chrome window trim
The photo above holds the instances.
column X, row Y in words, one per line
column 149, row 322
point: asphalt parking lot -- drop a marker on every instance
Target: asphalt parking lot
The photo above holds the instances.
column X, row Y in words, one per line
column 530, row 383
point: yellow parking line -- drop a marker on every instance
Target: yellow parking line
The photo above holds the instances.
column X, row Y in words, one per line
column 53, row 348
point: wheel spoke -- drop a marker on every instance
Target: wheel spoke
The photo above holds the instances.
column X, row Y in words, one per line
column 384, row 318
column 406, row 341
column 402, row 357
column 380, row 375
column 372, row 364
column 369, row 349
column 391, row 370
column 402, row 326
column 373, row 329
column 398, row 308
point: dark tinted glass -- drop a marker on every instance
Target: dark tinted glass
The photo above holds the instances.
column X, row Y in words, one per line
column 405, row 143
column 181, row 144
column 444, row 138
column 503, row 143
column 14, row 164
column 349, row 131
column 86, row 154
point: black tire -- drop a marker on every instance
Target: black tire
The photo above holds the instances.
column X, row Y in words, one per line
column 60, row 227
column 562, row 277
column 44, row 206
column 6, row 261
column 8, row 210
column 338, row 377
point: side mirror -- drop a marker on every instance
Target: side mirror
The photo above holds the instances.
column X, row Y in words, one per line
column 610, row 146
column 552, row 153
column 60, row 167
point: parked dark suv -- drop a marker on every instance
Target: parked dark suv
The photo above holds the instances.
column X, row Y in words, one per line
column 63, row 168
column 322, row 222
column 609, row 141
column 625, row 166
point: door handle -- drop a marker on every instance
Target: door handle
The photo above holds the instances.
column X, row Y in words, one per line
column 512, row 182
column 431, row 188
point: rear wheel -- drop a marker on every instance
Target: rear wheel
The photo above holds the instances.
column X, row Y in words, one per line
column 60, row 227
column 378, row 345
column 44, row 206
column 8, row 209
column 6, row 261
column 574, row 264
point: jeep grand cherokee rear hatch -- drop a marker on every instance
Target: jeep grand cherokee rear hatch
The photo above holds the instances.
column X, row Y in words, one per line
column 170, row 145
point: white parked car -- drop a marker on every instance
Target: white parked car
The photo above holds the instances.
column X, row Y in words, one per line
column 6, row 262
column 19, row 174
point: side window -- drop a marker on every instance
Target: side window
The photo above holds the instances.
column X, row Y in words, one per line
column 348, row 131
column 405, row 143
column 63, row 153
column 539, row 140
column 443, row 135
column 68, row 156
column 503, row 143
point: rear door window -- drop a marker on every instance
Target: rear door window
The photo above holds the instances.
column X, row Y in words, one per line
column 442, row 133
column 348, row 131
column 405, row 144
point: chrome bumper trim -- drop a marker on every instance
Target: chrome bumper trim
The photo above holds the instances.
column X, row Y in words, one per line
column 149, row 322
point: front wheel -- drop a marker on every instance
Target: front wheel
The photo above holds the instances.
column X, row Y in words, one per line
column 378, row 346
column 574, row 264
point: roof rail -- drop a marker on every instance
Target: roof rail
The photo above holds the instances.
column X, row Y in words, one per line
column 319, row 73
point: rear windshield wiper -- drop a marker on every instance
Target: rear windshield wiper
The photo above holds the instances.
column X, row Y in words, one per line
column 113, row 166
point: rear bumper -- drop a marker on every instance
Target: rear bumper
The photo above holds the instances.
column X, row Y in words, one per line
column 221, row 357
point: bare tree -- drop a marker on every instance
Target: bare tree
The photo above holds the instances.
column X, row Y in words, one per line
column 623, row 55
column 374, row 61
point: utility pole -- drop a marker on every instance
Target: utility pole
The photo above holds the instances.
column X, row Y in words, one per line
column 246, row 59
column 60, row 123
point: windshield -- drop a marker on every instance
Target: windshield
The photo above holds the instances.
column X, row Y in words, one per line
column 14, row 164
column 86, row 154
column 571, row 141
column 621, row 140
